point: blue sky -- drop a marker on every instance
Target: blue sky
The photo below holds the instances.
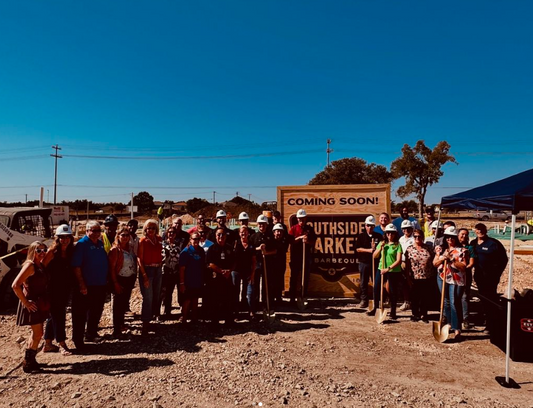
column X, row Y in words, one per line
column 238, row 78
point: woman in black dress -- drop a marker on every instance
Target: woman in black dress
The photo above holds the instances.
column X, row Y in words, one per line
column 31, row 287
column 58, row 268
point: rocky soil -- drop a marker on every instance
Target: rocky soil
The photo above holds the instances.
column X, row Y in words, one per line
column 331, row 354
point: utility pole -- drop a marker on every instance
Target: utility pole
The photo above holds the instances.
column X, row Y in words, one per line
column 26, row 198
column 237, row 193
column 56, row 147
column 131, row 207
column 249, row 197
column 48, row 196
column 214, row 192
column 328, row 150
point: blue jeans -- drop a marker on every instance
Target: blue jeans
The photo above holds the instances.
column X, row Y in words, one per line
column 452, row 304
column 152, row 294
column 377, row 288
column 237, row 278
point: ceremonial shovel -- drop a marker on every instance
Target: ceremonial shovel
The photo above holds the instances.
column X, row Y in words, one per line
column 270, row 315
column 441, row 332
column 301, row 301
column 381, row 315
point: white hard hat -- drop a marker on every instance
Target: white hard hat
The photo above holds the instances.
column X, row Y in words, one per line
column 435, row 223
column 262, row 218
column 370, row 220
column 390, row 228
column 277, row 227
column 221, row 213
column 407, row 224
column 451, row 231
column 63, row 229
column 243, row 216
column 301, row 213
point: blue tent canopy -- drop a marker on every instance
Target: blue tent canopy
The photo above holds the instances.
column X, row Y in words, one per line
column 513, row 193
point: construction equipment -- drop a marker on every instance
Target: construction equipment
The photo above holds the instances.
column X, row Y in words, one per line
column 19, row 227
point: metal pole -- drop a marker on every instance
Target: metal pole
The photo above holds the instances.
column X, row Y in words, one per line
column 509, row 296
column 131, row 208
column 87, row 210
column 328, row 150
column 56, row 147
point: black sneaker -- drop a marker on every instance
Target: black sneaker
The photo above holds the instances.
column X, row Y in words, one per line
column 363, row 304
column 371, row 312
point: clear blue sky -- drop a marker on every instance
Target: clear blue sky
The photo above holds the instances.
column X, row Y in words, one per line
column 229, row 78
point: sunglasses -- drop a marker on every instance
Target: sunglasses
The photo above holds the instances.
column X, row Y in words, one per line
column 417, row 236
column 220, row 235
column 150, row 229
column 39, row 250
column 195, row 239
column 125, row 235
column 96, row 230
column 64, row 237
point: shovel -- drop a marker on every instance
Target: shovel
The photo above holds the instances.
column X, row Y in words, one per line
column 371, row 301
column 301, row 301
column 441, row 332
column 381, row 315
column 270, row 315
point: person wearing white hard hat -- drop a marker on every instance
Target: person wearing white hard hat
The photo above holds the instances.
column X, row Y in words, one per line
column 278, row 258
column 406, row 240
column 366, row 242
column 231, row 235
column 278, row 219
column 404, row 216
column 58, row 267
column 390, row 253
column 261, row 240
column 435, row 238
column 244, row 219
column 300, row 234
column 455, row 258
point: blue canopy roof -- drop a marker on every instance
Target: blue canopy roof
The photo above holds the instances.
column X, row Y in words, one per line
column 513, row 193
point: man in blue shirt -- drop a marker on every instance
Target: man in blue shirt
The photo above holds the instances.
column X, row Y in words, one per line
column 90, row 268
column 404, row 215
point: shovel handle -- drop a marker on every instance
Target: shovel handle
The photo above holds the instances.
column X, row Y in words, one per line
column 443, row 294
column 266, row 283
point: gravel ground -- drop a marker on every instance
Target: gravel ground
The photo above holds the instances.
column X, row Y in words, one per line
column 331, row 354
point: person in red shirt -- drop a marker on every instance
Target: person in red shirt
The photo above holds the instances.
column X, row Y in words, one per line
column 150, row 261
column 300, row 234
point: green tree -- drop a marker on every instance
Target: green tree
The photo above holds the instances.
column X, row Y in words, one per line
column 421, row 167
column 196, row 204
column 144, row 201
column 352, row 171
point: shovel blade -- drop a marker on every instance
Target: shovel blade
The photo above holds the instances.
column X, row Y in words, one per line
column 381, row 316
column 441, row 333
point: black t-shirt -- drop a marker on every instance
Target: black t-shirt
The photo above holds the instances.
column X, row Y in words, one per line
column 231, row 236
column 223, row 257
column 365, row 241
column 244, row 257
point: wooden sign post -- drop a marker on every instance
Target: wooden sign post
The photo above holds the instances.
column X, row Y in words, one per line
column 337, row 214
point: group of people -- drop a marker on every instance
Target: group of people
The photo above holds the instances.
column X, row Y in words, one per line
column 411, row 259
column 235, row 270
column 229, row 269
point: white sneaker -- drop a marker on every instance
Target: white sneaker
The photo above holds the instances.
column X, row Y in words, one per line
column 406, row 306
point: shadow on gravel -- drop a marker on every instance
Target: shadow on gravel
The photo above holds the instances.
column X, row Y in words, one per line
column 113, row 367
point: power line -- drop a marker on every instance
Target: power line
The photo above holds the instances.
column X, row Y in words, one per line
column 231, row 156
